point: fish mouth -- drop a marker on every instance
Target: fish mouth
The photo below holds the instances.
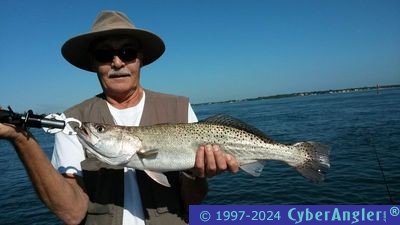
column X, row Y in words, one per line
column 83, row 130
column 83, row 134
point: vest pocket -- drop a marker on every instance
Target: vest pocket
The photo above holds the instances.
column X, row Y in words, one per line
column 105, row 188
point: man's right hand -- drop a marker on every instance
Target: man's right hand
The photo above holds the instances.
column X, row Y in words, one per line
column 10, row 132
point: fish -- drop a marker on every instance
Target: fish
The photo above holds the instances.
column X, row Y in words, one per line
column 172, row 147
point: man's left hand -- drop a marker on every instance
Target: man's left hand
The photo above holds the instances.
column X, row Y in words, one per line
column 211, row 160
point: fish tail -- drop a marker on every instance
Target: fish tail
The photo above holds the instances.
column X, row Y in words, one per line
column 316, row 162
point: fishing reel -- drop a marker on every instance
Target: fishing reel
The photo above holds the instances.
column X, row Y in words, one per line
column 28, row 120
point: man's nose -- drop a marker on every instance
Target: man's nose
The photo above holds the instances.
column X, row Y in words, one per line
column 117, row 62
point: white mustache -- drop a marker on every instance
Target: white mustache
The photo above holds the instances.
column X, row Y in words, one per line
column 120, row 72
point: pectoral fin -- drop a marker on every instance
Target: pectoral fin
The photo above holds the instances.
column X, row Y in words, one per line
column 147, row 153
column 254, row 168
column 158, row 177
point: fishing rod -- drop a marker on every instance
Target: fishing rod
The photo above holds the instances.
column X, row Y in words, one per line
column 381, row 169
column 29, row 119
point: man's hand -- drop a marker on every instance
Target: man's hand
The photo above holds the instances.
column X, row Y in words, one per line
column 211, row 160
column 7, row 131
column 10, row 132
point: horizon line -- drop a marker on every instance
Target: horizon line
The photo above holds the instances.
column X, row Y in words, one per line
column 376, row 87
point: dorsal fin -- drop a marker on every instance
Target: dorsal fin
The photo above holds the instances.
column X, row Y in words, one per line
column 229, row 121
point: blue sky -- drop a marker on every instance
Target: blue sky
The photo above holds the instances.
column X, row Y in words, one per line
column 215, row 49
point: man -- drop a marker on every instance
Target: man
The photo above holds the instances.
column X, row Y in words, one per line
column 81, row 189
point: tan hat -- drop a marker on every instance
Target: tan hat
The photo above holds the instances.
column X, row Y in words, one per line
column 111, row 23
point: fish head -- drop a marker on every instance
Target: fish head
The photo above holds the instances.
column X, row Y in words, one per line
column 111, row 144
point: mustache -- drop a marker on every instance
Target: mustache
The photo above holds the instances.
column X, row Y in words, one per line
column 120, row 72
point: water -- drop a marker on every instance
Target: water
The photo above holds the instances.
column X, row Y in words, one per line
column 361, row 128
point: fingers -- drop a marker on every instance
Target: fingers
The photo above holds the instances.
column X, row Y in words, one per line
column 219, row 160
column 211, row 168
column 215, row 160
column 211, row 160
column 199, row 166
column 232, row 163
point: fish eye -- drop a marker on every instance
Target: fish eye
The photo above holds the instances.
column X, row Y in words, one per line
column 100, row 128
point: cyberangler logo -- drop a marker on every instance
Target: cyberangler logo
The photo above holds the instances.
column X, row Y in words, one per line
column 337, row 214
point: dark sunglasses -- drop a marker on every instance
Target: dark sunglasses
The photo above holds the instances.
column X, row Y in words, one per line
column 126, row 54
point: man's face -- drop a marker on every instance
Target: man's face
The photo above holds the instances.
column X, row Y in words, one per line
column 117, row 62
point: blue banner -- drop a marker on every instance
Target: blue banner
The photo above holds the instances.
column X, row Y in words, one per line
column 294, row 214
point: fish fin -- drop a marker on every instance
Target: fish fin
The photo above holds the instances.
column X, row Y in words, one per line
column 226, row 120
column 254, row 168
column 147, row 153
column 317, row 163
column 158, row 177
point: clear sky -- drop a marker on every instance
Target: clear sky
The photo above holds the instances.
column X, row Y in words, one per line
column 215, row 49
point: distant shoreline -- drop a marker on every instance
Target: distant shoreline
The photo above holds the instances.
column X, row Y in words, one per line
column 335, row 91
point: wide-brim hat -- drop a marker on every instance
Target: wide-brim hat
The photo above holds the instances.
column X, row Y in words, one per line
column 111, row 23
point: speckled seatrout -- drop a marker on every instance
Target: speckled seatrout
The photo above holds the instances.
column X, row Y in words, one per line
column 167, row 147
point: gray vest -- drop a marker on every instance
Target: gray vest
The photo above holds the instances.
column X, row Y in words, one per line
column 104, row 184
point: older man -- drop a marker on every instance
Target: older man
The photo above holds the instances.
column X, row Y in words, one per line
column 81, row 189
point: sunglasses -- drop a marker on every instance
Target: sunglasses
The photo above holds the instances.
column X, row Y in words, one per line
column 126, row 54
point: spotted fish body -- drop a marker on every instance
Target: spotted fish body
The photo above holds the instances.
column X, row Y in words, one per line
column 168, row 147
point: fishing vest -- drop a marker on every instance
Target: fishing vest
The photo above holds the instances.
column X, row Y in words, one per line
column 104, row 183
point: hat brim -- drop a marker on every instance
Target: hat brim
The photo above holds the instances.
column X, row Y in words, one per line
column 76, row 49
